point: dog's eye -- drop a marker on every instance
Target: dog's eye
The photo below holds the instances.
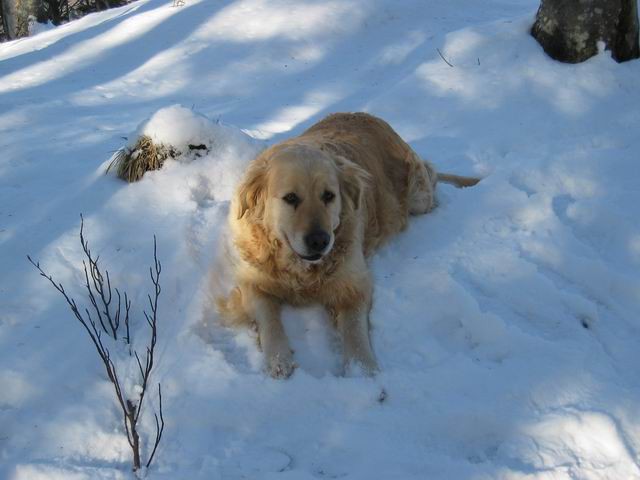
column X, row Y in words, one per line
column 292, row 199
column 327, row 196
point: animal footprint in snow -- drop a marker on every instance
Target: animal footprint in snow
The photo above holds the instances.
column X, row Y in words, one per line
column 201, row 191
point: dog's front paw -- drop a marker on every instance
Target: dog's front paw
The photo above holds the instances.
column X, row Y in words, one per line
column 281, row 365
column 361, row 366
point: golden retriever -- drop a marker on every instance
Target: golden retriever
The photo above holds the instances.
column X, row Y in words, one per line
column 306, row 216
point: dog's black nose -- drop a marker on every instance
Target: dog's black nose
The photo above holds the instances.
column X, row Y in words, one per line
column 317, row 241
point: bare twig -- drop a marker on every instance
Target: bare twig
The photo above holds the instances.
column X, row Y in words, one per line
column 97, row 285
column 159, row 427
column 442, row 57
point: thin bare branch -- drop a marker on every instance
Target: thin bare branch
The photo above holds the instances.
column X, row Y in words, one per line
column 159, row 427
column 442, row 57
column 98, row 282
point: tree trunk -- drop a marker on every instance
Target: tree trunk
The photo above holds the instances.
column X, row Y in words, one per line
column 15, row 16
column 9, row 18
column 569, row 30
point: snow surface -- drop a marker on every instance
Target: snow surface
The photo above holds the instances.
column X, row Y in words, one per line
column 505, row 322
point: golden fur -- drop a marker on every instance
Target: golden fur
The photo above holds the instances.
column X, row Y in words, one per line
column 378, row 181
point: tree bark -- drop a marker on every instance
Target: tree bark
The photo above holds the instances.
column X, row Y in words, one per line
column 15, row 16
column 569, row 30
column 9, row 18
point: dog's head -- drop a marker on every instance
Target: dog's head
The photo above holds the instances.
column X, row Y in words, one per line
column 299, row 193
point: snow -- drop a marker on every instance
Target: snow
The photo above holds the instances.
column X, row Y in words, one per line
column 505, row 322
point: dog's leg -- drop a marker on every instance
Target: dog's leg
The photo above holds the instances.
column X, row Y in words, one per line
column 273, row 339
column 353, row 325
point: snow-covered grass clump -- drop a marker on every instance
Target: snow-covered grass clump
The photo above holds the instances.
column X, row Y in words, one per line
column 179, row 126
column 174, row 133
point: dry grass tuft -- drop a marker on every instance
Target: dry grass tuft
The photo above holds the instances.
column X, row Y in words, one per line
column 131, row 163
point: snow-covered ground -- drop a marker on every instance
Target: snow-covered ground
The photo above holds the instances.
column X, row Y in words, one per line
column 506, row 323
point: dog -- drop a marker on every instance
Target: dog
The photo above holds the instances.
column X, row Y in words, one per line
column 306, row 216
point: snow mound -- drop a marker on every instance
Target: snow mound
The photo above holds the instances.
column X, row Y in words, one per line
column 222, row 151
column 184, row 129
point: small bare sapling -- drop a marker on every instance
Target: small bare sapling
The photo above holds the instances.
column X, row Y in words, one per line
column 107, row 322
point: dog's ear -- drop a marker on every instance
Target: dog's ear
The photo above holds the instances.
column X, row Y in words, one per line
column 251, row 192
column 353, row 180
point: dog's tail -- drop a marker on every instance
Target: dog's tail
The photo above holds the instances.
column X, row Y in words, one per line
column 457, row 180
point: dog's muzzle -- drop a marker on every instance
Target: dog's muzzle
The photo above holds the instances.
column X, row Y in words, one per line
column 316, row 243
